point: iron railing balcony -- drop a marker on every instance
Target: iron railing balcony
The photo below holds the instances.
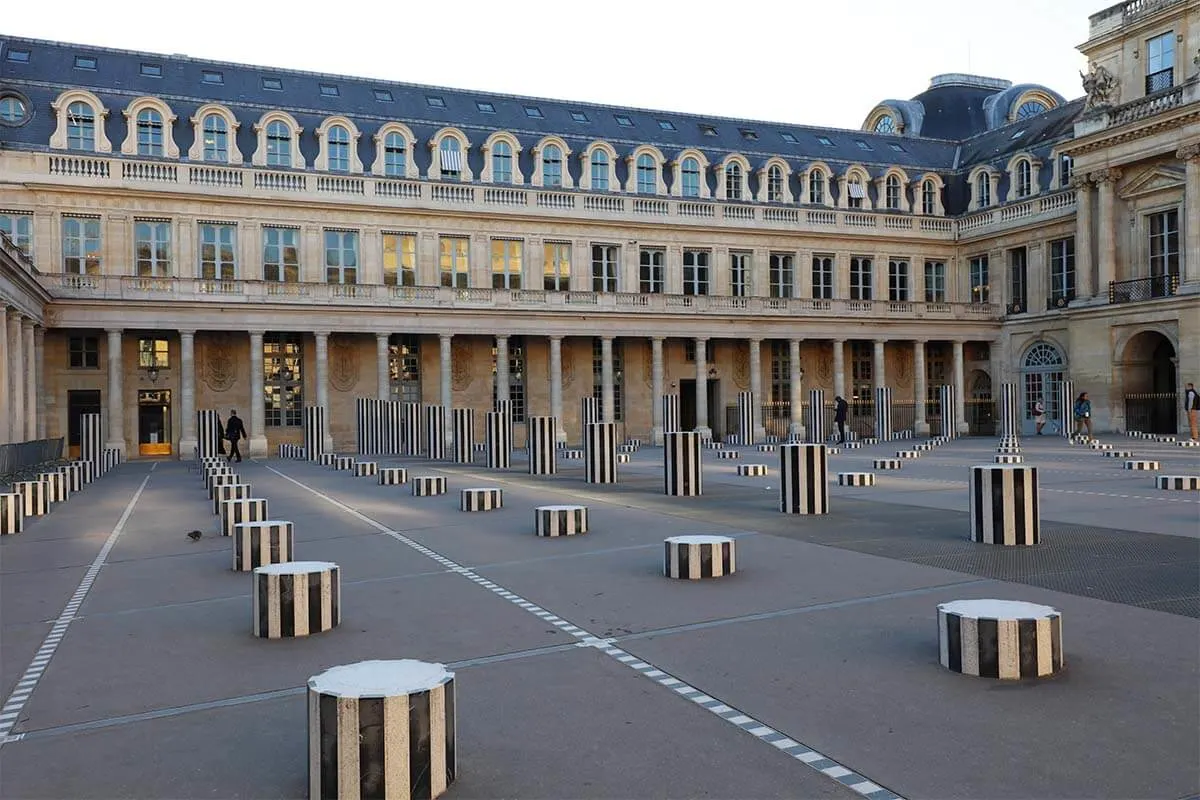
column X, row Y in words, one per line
column 1139, row 289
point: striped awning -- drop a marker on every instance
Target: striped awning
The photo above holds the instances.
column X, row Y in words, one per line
column 451, row 160
column 857, row 190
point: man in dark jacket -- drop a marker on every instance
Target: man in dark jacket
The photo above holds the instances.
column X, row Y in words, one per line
column 234, row 432
column 841, row 408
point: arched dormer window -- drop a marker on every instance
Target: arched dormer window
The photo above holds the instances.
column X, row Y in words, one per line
column 80, row 116
column 550, row 156
column 338, row 149
column 645, row 171
column 149, row 123
column 983, row 192
column 278, row 141
column 884, row 119
column 688, row 172
column 734, row 181
column 929, row 189
column 690, row 177
column 774, row 181
column 149, row 133
column 395, row 155
column 647, row 174
column 214, row 136
column 885, row 124
column 892, row 193
column 1030, row 103
column 552, row 165
column 279, row 144
column 774, row 184
column 449, row 161
column 1022, row 177
column 81, row 127
column 502, row 162
column 599, row 168
column 596, row 170
column 394, row 144
column 984, row 182
column 817, row 181
column 337, row 138
column 854, row 189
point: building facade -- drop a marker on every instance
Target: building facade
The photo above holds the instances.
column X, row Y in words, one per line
column 195, row 234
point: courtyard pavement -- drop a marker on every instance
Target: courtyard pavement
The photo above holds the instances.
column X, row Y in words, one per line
column 581, row 671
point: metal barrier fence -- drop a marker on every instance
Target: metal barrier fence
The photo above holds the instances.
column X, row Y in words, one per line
column 860, row 418
column 1152, row 412
column 23, row 459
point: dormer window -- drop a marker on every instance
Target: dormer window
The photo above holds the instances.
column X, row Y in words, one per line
column 552, row 165
column 599, row 170
column 85, row 62
column 279, row 144
column 339, row 149
column 774, row 184
column 81, row 127
column 1160, row 63
column 789, row 138
column 708, row 130
column 891, row 193
column 533, row 112
column 395, row 155
column 152, row 70
column 983, row 190
column 816, row 187
column 212, row 77
column 329, row 90
column 149, row 133
column 666, row 125
column 928, row 198
column 383, row 95
column 502, row 171
column 748, row 135
column 434, row 101
column 451, row 158
column 825, row 140
column 885, row 124
column 273, row 84
column 215, row 132
column 1031, row 108
column 647, row 174
column 855, row 193
column 733, row 182
column 485, row 107
column 579, row 116
column 1024, row 178
column 1066, row 169
column 690, row 174
column 623, row 121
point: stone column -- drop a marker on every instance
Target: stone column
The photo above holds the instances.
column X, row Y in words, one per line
column 39, row 360
column 6, row 385
column 447, row 387
column 795, row 390
column 656, row 390
column 383, row 375
column 1106, row 241
column 1084, row 286
column 960, row 412
column 1190, row 217
column 15, row 369
column 920, row 426
column 116, row 392
column 879, row 364
column 702, row 388
column 556, row 403
column 502, row 367
column 839, row 368
column 322, row 339
column 608, row 404
column 31, row 393
column 187, row 392
column 756, row 388
column 258, row 400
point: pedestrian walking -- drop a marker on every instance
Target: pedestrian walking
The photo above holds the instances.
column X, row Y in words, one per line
column 1083, row 414
column 1039, row 416
column 841, row 408
column 234, row 432
column 220, row 437
column 1191, row 404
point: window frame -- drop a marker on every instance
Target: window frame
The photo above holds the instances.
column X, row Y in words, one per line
column 507, row 261
column 83, row 352
column 283, row 399
column 556, row 266
column 862, row 278
column 80, row 246
column 935, row 281
column 1062, row 270
column 823, row 276
column 697, row 275
column 740, row 269
column 781, row 274
column 979, row 280
column 454, row 262
column 1166, row 258
column 154, row 352
column 606, row 268
column 156, row 235
column 81, row 128
column 399, row 259
column 899, row 280
column 284, row 267
column 216, row 264
column 652, row 270
column 19, row 228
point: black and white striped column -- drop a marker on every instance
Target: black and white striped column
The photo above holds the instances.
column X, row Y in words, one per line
column 745, row 416
column 600, row 452
column 752, row 470
column 1181, row 483
column 1066, row 406
column 366, row 469
column 393, row 476
column 35, row 497
column 560, row 520
column 412, row 431
column 1005, row 639
column 883, row 413
column 481, row 499
column 73, row 475
column 589, row 412
column 228, row 491
column 699, row 556
column 856, row 479
column 428, row 485
column 91, row 442
column 682, row 473
column 367, row 425
column 382, row 729
column 1004, row 505
column 112, row 458
column 543, row 454
column 257, row 544
column 464, row 435
column 219, row 479
column 343, row 463
column 946, row 408
column 87, row 470
column 314, row 432
column 296, row 598
column 243, row 509
column 803, row 479
column 504, row 408
column 207, row 441
column 58, row 486
column 12, row 513
column 499, row 441
column 670, row 409
column 1010, row 414
column 814, row 416
column 435, row 432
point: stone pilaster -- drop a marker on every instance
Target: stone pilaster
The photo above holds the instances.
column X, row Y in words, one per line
column 258, row 408
column 116, row 392
column 656, row 390
column 702, row 426
column 920, row 426
column 187, row 392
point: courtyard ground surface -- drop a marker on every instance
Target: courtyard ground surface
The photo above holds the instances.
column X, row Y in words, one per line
column 811, row 672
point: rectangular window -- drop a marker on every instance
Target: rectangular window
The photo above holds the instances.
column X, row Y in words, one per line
column 1164, row 243
column 153, row 353
column 861, row 371
column 618, row 368
column 19, row 56
column 218, row 251
column 404, row 367
column 454, row 261
column 781, row 372
column 506, row 263
column 83, row 352
column 739, row 274
column 689, row 351
column 1066, row 169
column 152, row 248
column 400, row 259
column 579, row 116
column 329, row 90
column 935, row 281
column 898, row 286
column 1018, row 277
column 979, row 280
column 81, row 246
column 341, row 256
column 935, row 376
column 534, row 112
column 1062, row 270
column 606, row 260
column 273, row 84
column 516, row 378
column 485, row 107
column 383, row 95
column 695, row 272
column 212, row 77
column 19, row 228
column 822, row 277
column 281, row 255
column 781, row 274
column 651, row 270
column 85, row 62
column 556, row 271
column 861, row 278
column 152, row 70
column 283, row 379
column 1160, row 62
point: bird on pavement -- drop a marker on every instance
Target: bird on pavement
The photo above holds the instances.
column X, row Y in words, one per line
column 194, row 535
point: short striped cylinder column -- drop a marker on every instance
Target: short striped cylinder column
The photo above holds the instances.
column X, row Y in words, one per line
column 1101, row 446
column 1004, row 505
column 393, row 476
column 856, row 479
column 682, row 474
column 909, row 454
column 296, row 598
column 498, row 433
column 849, row 445
column 752, row 470
column 428, row 485
column 803, row 479
column 766, row 448
column 228, row 491
column 314, row 432
column 368, row 424
column 57, row 486
column 35, row 497
column 1009, row 449
column 1165, row 440
column 571, row 453
column 112, row 458
column 622, row 458
column 560, row 520
column 1187, row 443
column 832, row 451
column 73, row 475
column 435, row 432
column 12, row 513
column 328, row 459
column 410, row 425
column 243, row 509
column 481, row 499
column 208, row 442
column 365, row 469
column 627, row 448
column 291, row 451
column 91, row 443
column 814, row 416
column 745, row 418
column 883, row 413
column 1118, row 454
column 207, row 462
column 870, row 440
column 887, row 463
column 213, row 471
column 1183, row 483
column 1141, row 465
column 256, row 544
column 464, row 434
column 1066, row 405
column 946, row 410
column 923, row 447
column 221, row 479
column 86, row 470
column 670, row 412
column 543, row 453
column 600, row 452
column 634, row 442
column 1008, row 458
column 383, row 729
column 712, row 444
column 728, row 454
column 1005, row 639
column 344, row 463
column 699, row 556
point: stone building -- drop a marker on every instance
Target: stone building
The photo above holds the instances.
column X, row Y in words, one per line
column 196, row 234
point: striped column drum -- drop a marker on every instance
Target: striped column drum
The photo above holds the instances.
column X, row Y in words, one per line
column 382, row 729
column 622, row 458
column 849, row 445
column 35, row 497
column 560, row 520
column 699, row 556
column 870, row 440
column 923, row 447
column 91, row 443
column 682, row 473
column 213, row 461
column 1066, row 404
column 410, row 421
column 435, row 432
column 600, row 452
column 710, row 444
column 87, row 470
column 887, row 463
column 314, row 432
column 589, row 412
column 670, row 413
column 1165, row 440
column 209, row 472
column 498, row 431
column 463, row 420
column 222, row 479
column 1009, row 449
column 1005, row 639
column 766, row 448
column 883, row 413
column 727, row 454
column 428, row 485
column 393, row 476
column 391, row 427
column 905, row 434
column 814, row 416
column 1188, row 443
column 571, row 453
column 365, row 469
column 228, row 491
column 290, row 451
column 343, row 463
column 481, row 499
column 328, row 459
column 627, row 448
column 1183, row 483
column 296, row 598
column 207, row 441
column 1008, row 458
column 12, row 513
column 1004, row 505
column 910, row 454
column 634, row 442
column 368, row 423
column 73, row 475
column 856, row 479
column 543, row 455
column 947, row 411
column 1097, row 445
column 1010, row 411
column 256, row 544
column 243, row 509
column 504, row 409
column 1141, row 465
column 1118, row 454
column 57, row 486
column 752, row 470
column 745, row 417
column 112, row 458
column 803, row 479
column 832, row 451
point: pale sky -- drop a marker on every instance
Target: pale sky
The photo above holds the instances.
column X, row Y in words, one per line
column 816, row 62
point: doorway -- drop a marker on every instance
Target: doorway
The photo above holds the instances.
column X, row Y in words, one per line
column 687, row 406
column 154, row 422
column 79, row 402
column 1149, row 375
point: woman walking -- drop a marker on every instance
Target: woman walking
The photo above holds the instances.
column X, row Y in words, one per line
column 1083, row 414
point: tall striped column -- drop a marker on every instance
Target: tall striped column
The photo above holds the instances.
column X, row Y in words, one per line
column 504, row 407
column 670, row 409
column 1066, row 405
column 883, row 413
column 207, row 443
column 600, row 452
column 314, row 432
column 589, row 412
column 367, row 419
column 499, row 443
column 815, row 416
column 411, row 436
column 543, row 456
column 803, row 479
column 682, row 474
column 1004, row 504
column 745, row 409
column 1010, row 421
column 91, row 442
column 946, row 409
column 435, row 432
column 464, row 435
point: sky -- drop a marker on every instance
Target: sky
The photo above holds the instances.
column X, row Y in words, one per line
column 815, row 62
